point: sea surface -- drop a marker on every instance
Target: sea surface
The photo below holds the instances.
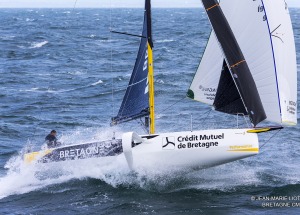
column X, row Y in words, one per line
column 62, row 69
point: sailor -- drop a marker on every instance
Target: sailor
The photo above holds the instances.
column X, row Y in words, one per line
column 52, row 140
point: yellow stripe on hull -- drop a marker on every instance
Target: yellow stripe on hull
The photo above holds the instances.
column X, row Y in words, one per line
column 33, row 156
column 245, row 150
column 259, row 130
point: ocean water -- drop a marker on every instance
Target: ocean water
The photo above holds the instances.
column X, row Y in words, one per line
column 62, row 69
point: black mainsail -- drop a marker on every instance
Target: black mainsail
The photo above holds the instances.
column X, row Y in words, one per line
column 228, row 99
column 135, row 103
column 237, row 66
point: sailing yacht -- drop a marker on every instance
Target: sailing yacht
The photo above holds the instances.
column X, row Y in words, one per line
column 250, row 65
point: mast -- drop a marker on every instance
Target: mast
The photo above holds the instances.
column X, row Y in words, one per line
column 150, row 68
column 151, row 90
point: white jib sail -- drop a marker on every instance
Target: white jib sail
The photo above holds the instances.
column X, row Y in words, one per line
column 272, row 63
column 205, row 83
column 283, row 41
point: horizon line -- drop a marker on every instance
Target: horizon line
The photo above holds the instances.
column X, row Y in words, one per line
column 90, row 7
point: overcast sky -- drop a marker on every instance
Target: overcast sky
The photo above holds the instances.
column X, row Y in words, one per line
column 107, row 3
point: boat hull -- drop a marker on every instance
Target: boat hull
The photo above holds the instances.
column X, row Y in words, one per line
column 197, row 149
column 101, row 149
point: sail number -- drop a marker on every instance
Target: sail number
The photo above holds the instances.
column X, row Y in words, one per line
column 291, row 108
column 261, row 9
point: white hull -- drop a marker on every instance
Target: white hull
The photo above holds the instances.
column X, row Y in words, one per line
column 197, row 149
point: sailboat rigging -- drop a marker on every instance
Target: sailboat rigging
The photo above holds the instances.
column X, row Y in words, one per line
column 245, row 72
column 138, row 100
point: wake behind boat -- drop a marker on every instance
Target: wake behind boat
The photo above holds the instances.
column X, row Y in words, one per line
column 241, row 72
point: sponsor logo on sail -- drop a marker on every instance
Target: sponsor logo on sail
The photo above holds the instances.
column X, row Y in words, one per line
column 209, row 93
column 207, row 89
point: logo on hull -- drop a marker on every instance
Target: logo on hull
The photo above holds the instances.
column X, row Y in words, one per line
column 168, row 143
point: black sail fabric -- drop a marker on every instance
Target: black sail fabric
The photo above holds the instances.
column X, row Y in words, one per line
column 135, row 103
column 236, row 62
column 228, row 99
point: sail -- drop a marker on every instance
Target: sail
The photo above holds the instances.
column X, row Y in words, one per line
column 264, row 33
column 135, row 103
column 205, row 83
column 237, row 65
column 284, row 56
column 227, row 97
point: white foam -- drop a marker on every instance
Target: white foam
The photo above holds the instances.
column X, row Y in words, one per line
column 7, row 37
column 96, row 83
column 77, row 72
column 29, row 20
column 43, row 90
column 23, row 178
column 19, row 179
column 254, row 171
column 160, row 81
column 38, row 44
column 164, row 41
column 34, row 89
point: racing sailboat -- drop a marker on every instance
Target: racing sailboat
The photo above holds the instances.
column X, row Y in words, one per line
column 244, row 68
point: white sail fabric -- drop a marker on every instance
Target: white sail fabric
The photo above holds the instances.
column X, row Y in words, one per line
column 205, row 83
column 284, row 56
column 272, row 63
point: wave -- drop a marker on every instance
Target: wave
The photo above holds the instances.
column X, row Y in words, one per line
column 164, row 41
column 108, row 40
column 7, row 37
column 160, row 81
column 37, row 89
column 23, row 178
column 34, row 89
column 92, row 36
column 48, row 90
column 29, row 20
column 96, row 83
column 38, row 44
column 244, row 174
column 77, row 72
column 57, row 91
